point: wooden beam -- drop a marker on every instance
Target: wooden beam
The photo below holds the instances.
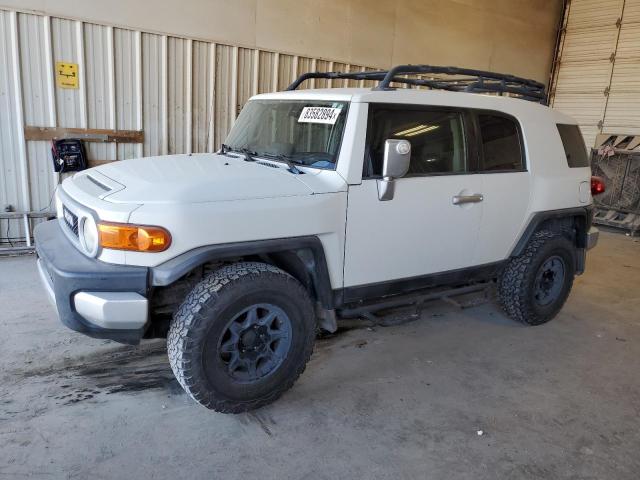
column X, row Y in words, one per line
column 101, row 135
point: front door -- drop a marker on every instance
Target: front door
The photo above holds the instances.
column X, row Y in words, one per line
column 432, row 222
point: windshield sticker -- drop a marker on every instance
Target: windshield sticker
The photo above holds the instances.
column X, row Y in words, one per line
column 326, row 115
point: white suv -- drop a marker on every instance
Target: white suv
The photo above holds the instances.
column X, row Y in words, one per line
column 323, row 204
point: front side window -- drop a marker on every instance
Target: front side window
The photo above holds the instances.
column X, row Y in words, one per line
column 436, row 136
column 501, row 145
column 305, row 132
column 574, row 147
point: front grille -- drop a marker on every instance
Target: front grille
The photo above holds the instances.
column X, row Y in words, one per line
column 71, row 219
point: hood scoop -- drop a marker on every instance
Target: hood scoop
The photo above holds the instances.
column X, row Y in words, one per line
column 95, row 184
column 98, row 183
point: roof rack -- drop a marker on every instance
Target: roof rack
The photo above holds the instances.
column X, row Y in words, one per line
column 466, row 80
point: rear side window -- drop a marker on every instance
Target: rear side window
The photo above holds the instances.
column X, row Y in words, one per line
column 574, row 147
column 501, row 145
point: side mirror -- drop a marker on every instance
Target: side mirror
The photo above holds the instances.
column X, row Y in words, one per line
column 397, row 156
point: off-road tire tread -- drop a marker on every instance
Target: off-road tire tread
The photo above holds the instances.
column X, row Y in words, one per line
column 185, row 325
column 512, row 283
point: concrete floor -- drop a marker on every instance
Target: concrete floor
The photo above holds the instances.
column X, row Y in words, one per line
column 556, row 401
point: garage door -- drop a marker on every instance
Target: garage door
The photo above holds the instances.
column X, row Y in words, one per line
column 597, row 76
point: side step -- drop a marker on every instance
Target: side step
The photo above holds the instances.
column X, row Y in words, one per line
column 371, row 311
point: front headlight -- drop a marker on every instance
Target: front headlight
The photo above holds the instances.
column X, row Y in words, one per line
column 89, row 235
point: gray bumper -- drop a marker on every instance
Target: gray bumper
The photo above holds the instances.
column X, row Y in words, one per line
column 92, row 297
column 592, row 237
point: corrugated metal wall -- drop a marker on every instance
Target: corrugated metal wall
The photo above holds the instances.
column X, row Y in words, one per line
column 597, row 79
column 183, row 93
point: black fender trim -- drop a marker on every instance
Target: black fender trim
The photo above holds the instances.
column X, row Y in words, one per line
column 308, row 249
column 539, row 218
column 585, row 214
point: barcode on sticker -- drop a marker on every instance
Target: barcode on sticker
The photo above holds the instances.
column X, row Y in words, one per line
column 327, row 115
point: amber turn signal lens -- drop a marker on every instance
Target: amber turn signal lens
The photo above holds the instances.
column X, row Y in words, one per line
column 137, row 238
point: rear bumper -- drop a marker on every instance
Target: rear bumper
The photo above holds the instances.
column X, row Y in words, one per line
column 92, row 297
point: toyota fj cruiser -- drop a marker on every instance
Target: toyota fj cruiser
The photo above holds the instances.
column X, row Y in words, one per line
column 323, row 204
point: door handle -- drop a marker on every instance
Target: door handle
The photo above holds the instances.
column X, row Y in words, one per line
column 462, row 199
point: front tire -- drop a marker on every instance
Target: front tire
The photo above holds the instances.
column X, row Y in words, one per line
column 241, row 337
column 534, row 286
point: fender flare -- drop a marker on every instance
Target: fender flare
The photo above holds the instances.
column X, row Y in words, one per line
column 584, row 216
column 308, row 250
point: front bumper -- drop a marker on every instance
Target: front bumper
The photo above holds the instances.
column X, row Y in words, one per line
column 92, row 297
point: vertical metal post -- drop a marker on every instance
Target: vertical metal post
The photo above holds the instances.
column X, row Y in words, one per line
column 314, row 67
column 256, row 72
column 82, row 88
column 165, row 94
column 139, row 92
column 189, row 99
column 49, row 77
column 212, row 97
column 21, row 144
column 111, row 82
column 234, row 87
column 330, row 81
column 294, row 68
column 276, row 68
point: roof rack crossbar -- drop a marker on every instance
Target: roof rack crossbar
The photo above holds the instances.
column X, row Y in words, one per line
column 467, row 80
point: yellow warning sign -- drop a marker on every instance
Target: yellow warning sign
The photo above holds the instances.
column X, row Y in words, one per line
column 67, row 75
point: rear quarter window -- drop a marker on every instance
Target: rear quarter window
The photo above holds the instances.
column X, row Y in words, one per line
column 574, row 147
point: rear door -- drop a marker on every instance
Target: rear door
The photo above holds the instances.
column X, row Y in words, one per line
column 506, row 184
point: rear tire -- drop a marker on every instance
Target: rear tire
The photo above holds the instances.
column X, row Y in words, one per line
column 242, row 337
column 534, row 286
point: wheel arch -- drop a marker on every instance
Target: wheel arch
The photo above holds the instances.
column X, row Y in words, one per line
column 301, row 257
column 572, row 222
column 577, row 220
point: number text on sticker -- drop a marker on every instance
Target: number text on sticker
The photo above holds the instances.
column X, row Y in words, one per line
column 327, row 115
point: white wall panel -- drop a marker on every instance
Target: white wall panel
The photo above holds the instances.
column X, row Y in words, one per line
column 126, row 88
column 202, row 111
column 99, row 87
column 285, row 71
column 152, row 94
column 65, row 49
column 266, row 72
column 225, row 105
column 245, row 76
column 38, row 103
column 178, row 102
column 10, row 173
column 184, row 94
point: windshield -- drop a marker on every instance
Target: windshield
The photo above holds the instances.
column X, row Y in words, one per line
column 305, row 132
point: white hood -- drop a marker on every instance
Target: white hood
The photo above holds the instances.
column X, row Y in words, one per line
column 201, row 178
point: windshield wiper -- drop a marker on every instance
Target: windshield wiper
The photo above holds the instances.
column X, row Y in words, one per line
column 248, row 154
column 284, row 159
